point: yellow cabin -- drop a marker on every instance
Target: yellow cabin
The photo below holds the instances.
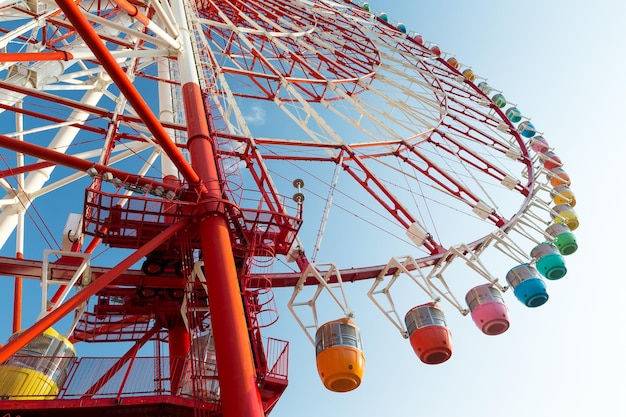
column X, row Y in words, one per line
column 38, row 369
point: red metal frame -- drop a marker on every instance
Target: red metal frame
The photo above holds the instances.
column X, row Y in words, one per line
column 351, row 63
column 95, row 44
column 240, row 394
column 204, row 218
column 142, row 385
column 70, row 305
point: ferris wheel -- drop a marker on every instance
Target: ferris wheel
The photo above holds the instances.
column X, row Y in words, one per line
column 166, row 164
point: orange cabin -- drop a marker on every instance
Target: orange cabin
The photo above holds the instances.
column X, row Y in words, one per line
column 454, row 63
column 340, row 359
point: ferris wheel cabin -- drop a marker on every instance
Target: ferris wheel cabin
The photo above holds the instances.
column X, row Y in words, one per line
column 339, row 356
column 489, row 312
column 430, row 338
column 38, row 369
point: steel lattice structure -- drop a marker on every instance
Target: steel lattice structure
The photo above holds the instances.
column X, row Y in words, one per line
column 202, row 153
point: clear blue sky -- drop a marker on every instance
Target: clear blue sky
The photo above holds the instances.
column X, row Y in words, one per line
column 561, row 62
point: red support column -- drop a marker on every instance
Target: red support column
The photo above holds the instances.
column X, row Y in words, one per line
column 235, row 364
column 179, row 343
column 239, row 392
column 17, row 300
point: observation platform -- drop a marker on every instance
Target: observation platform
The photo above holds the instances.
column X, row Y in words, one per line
column 140, row 386
column 131, row 221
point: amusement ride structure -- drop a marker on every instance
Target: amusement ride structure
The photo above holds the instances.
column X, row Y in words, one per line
column 167, row 164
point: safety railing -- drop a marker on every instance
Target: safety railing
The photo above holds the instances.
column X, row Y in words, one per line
column 116, row 378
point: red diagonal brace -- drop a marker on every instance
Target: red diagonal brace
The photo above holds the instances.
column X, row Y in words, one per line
column 134, row 97
column 120, row 363
column 79, row 164
column 70, row 305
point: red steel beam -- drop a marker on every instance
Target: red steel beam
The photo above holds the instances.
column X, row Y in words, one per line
column 82, row 296
column 134, row 97
column 35, row 56
column 239, row 392
column 25, row 168
column 179, row 344
column 74, row 162
column 120, row 364
column 17, row 299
